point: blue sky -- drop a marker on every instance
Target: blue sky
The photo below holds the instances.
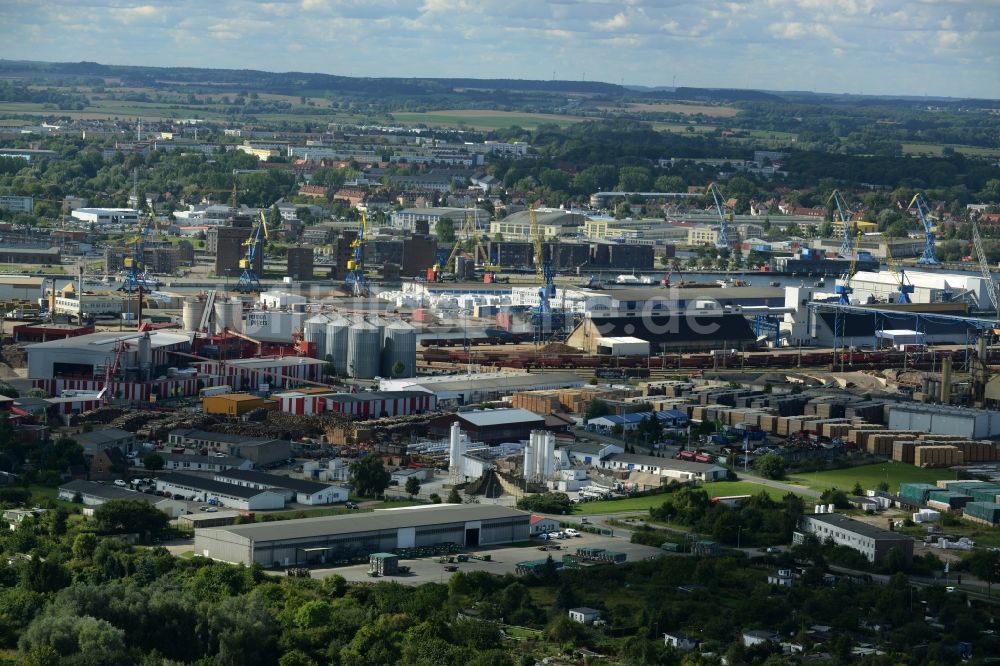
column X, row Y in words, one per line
column 919, row 47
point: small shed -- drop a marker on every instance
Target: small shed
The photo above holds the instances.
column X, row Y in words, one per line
column 383, row 564
column 706, row 548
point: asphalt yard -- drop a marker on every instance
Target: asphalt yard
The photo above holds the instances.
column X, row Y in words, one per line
column 502, row 560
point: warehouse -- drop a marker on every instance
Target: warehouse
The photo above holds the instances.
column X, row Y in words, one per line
column 302, row 491
column 490, row 426
column 688, row 330
column 467, row 389
column 872, row 542
column 944, row 420
column 88, row 355
column 677, row 470
column 338, row 538
column 188, row 462
column 235, row 405
column 252, row 374
column 200, row 489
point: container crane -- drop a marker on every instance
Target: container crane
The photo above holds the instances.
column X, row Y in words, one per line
column 847, row 246
column 905, row 287
column 249, row 280
column 543, row 267
column 356, row 280
column 984, row 267
column 725, row 217
column 845, row 290
column 929, row 255
column 134, row 265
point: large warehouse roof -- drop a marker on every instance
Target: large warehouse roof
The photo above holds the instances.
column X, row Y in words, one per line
column 386, row 519
column 489, row 380
column 106, row 341
column 492, row 417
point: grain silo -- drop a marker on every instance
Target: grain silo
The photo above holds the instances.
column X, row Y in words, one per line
column 364, row 351
column 314, row 332
column 399, row 351
column 336, row 342
column 229, row 315
column 192, row 312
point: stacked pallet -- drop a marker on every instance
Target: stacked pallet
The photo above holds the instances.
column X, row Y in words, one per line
column 880, row 443
column 937, row 456
column 869, row 410
column 857, row 435
column 904, row 451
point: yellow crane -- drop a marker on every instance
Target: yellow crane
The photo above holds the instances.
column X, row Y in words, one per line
column 905, row 287
column 536, row 239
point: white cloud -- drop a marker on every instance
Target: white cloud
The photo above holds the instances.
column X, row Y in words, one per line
column 616, row 22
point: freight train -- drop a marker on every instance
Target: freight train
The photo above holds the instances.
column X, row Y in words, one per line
column 859, row 360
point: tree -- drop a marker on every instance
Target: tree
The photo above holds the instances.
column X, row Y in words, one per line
column 454, row 497
column 985, row 565
column 770, row 466
column 153, row 462
column 128, row 517
column 596, row 408
column 445, row 230
column 369, row 476
column 412, row 486
column 836, row 497
column 546, row 503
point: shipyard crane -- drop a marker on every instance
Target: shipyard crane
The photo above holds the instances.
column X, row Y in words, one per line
column 249, row 280
column 984, row 267
column 468, row 230
column 543, row 267
column 929, row 255
column 847, row 246
column 134, row 264
column 845, row 290
column 905, row 287
column 725, row 217
column 356, row 281
column 674, row 268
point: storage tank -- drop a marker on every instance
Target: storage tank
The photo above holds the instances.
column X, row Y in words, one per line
column 192, row 312
column 314, row 331
column 364, row 351
column 399, row 349
column 336, row 342
column 229, row 314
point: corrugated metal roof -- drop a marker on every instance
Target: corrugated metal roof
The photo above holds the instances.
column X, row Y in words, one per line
column 664, row 463
column 440, row 514
column 274, row 481
column 856, row 526
column 492, row 417
column 209, row 485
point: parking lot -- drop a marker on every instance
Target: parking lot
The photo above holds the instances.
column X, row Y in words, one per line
column 503, row 560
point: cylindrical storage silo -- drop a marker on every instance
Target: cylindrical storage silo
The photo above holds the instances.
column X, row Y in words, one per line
column 364, row 351
column 193, row 310
column 529, row 462
column 229, row 314
column 380, row 323
column 399, row 352
column 336, row 342
column 314, row 332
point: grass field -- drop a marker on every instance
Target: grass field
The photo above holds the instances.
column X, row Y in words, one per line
column 644, row 503
column 937, row 149
column 483, row 119
column 869, row 476
column 709, row 110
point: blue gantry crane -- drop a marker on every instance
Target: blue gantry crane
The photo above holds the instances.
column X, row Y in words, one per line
column 725, row 217
column 929, row 255
column 356, row 281
column 134, row 273
column 905, row 286
column 249, row 280
column 845, row 290
column 845, row 219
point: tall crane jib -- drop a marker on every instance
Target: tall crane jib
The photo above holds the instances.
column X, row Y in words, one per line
column 903, row 282
column 725, row 216
column 984, row 267
column 135, row 274
column 249, row 280
column 845, row 219
column 929, row 255
column 356, row 281
column 845, row 290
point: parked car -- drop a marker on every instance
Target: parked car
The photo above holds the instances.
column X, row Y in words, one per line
column 572, row 532
column 120, row 483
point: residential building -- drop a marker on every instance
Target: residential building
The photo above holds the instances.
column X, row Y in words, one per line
column 542, row 525
column 108, row 463
column 18, row 204
column 95, row 441
column 407, row 218
column 679, row 641
column 758, row 637
column 584, row 615
column 702, row 236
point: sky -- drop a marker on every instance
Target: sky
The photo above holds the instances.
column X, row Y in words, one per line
column 901, row 47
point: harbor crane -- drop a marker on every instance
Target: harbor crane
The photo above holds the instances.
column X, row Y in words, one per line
column 356, row 281
column 249, row 280
column 725, row 216
column 929, row 255
column 845, row 290
column 134, row 264
column 905, row 286
column 984, row 267
column 845, row 218
column 543, row 267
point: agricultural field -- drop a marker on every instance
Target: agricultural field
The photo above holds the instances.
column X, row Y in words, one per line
column 869, row 476
column 937, row 150
column 710, row 110
column 483, row 119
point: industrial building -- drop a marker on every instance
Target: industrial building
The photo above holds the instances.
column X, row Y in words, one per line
column 363, row 348
column 201, row 489
column 490, row 426
column 235, row 405
column 670, row 469
column 254, row 374
column 189, row 462
column 465, row 389
column 335, row 538
column 872, row 542
column 88, row 355
column 944, row 420
column 261, row 451
column 92, row 495
column 301, row 491
column 687, row 331
column 928, row 287
column 102, row 216
column 300, row 263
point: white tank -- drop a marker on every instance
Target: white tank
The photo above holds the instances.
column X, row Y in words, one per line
column 314, row 331
column 399, row 349
column 229, row 314
column 454, row 450
column 336, row 342
column 364, row 351
column 191, row 314
column 529, row 461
